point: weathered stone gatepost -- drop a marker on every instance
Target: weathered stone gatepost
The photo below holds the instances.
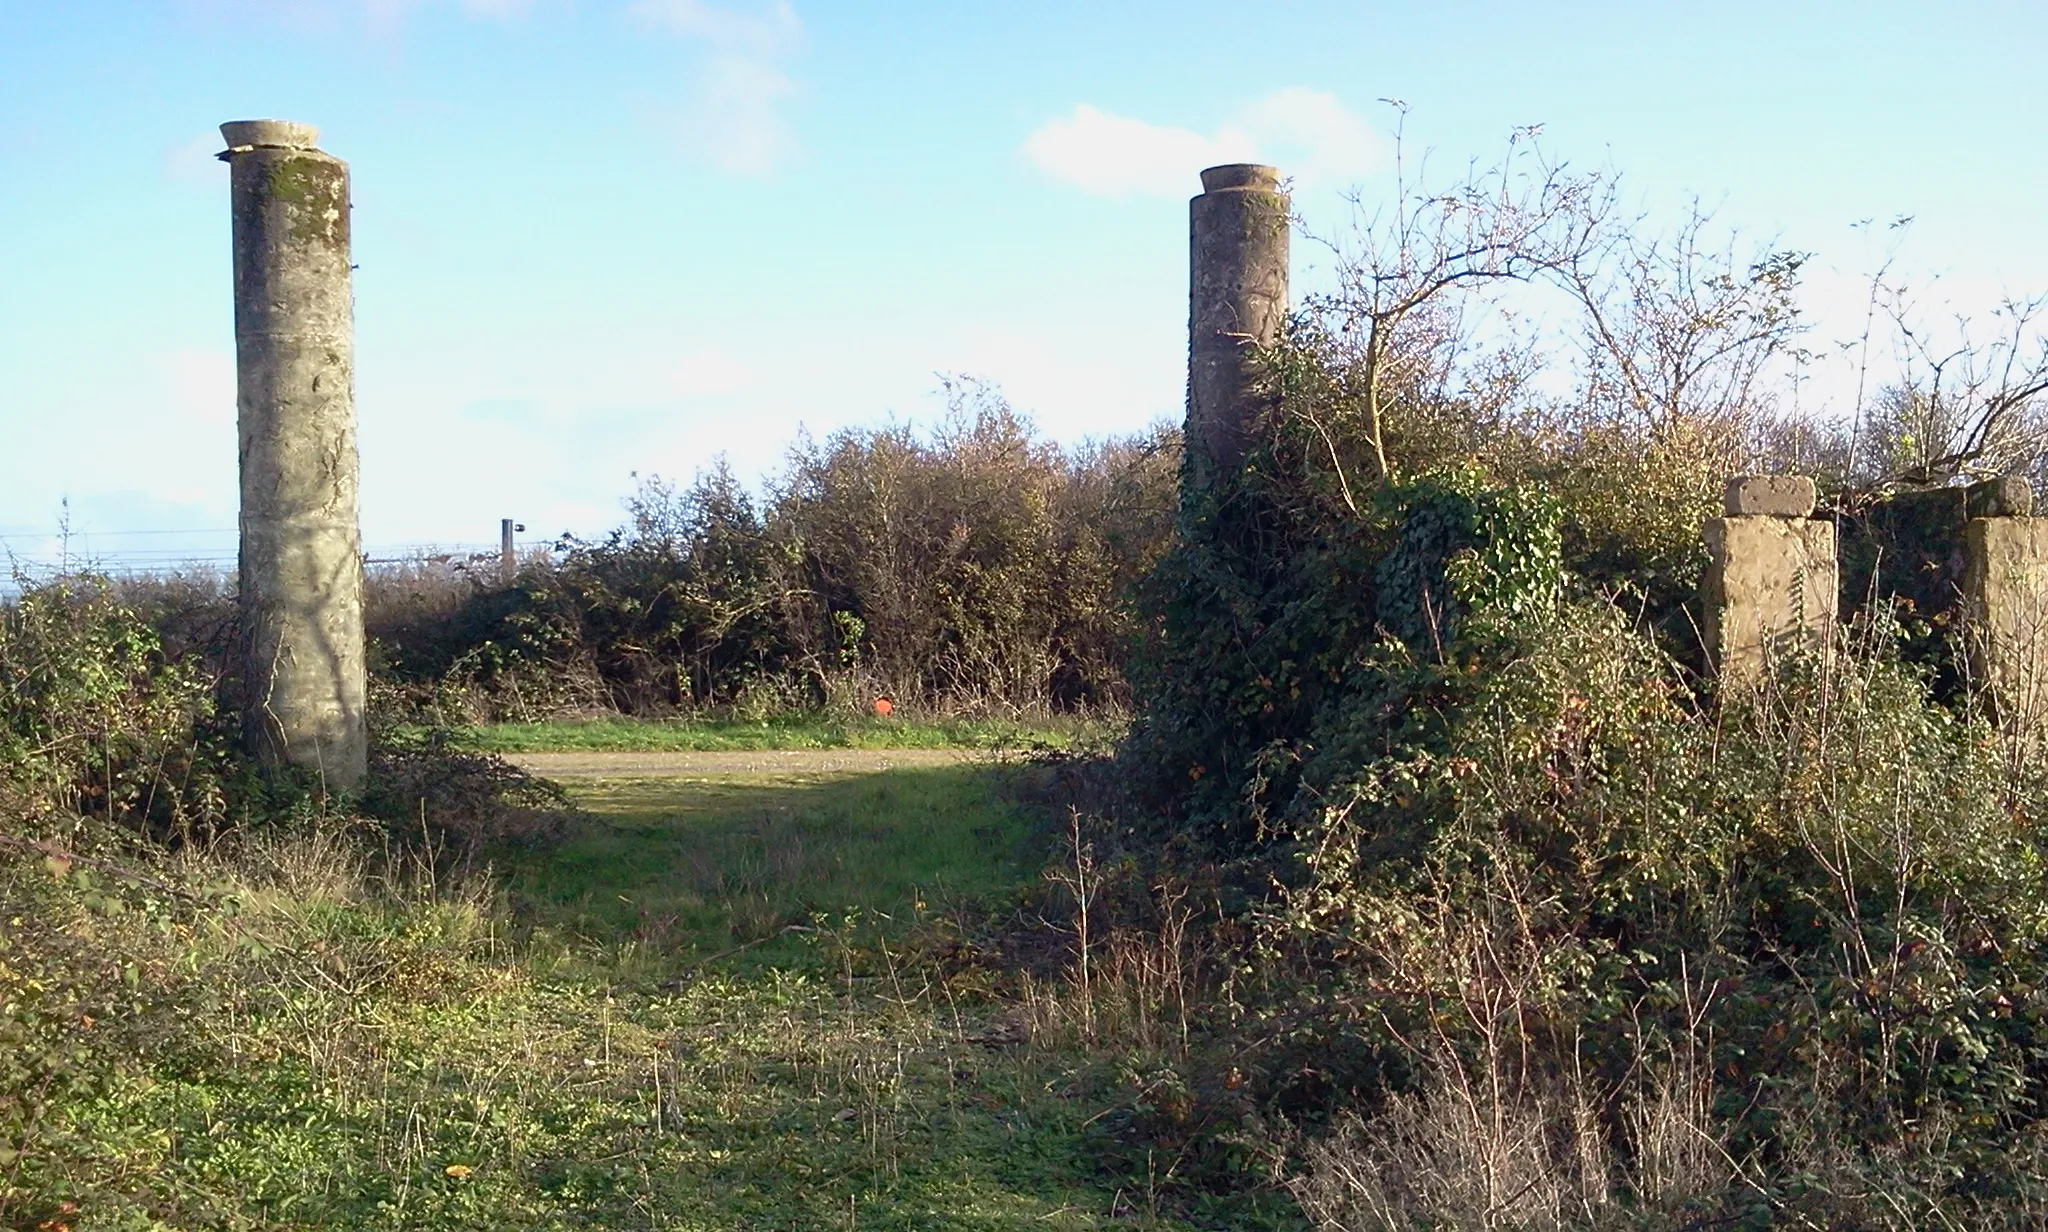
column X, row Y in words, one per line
column 1237, row 301
column 2005, row 599
column 301, row 577
column 1771, row 580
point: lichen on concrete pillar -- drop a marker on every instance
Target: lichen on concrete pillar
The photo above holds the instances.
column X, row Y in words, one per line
column 2005, row 598
column 1771, row 584
column 1237, row 303
column 301, row 573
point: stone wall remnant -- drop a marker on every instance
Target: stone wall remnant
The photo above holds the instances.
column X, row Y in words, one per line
column 1771, row 585
column 1237, row 302
column 301, row 567
column 2005, row 600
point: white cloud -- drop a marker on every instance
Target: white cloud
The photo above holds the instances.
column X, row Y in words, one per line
column 1314, row 138
column 733, row 116
column 200, row 381
column 192, row 161
column 388, row 14
column 1116, row 156
column 1309, row 134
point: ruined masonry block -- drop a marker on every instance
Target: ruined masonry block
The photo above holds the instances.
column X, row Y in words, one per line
column 2005, row 592
column 1770, row 590
column 1776, row 496
column 2008, row 496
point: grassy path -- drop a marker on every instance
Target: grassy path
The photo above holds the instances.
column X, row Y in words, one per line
column 796, row 766
column 800, row 731
column 756, row 912
column 716, row 1005
column 695, row 853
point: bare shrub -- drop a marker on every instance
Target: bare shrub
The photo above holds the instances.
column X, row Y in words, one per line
column 1134, row 964
column 981, row 568
column 976, row 568
column 1478, row 1146
column 1463, row 1152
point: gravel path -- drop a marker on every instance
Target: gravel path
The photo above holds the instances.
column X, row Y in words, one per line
column 698, row 765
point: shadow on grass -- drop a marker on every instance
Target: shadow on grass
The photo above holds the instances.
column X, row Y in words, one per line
column 702, row 867
column 793, row 731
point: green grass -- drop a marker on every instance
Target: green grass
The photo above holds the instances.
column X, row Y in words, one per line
column 700, row 866
column 554, row 1098
column 787, row 732
column 621, row 1032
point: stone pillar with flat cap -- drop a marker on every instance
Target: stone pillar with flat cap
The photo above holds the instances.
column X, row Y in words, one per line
column 1772, row 580
column 1237, row 303
column 301, row 572
column 2005, row 600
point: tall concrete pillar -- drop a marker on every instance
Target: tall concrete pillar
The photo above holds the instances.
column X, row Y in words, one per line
column 1772, row 581
column 1237, row 302
column 2005, row 597
column 301, row 578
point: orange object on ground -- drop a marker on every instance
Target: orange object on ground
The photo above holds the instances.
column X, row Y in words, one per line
column 884, row 707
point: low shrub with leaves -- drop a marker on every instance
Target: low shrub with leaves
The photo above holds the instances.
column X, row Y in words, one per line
column 96, row 720
column 1549, row 938
column 1289, row 650
column 1651, row 963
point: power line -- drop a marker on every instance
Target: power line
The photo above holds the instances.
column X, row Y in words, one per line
column 58, row 532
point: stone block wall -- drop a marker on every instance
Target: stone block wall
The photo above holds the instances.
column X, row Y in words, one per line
column 1971, row 559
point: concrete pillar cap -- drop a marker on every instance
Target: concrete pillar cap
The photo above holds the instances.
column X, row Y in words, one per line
column 1774, row 496
column 2008, row 496
column 277, row 134
column 1241, row 175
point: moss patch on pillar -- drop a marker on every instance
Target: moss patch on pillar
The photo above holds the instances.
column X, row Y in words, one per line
column 316, row 191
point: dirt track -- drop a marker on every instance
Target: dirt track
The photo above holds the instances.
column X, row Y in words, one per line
column 695, row 765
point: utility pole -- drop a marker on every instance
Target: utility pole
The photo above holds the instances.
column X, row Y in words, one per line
column 508, row 555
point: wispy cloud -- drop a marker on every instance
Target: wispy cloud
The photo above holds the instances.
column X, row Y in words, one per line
column 383, row 16
column 1309, row 134
column 394, row 11
column 733, row 116
column 192, row 162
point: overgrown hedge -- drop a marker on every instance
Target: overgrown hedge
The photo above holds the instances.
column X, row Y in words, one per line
column 977, row 568
column 1528, row 927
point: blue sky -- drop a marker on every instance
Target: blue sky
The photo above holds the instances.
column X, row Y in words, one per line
column 605, row 236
